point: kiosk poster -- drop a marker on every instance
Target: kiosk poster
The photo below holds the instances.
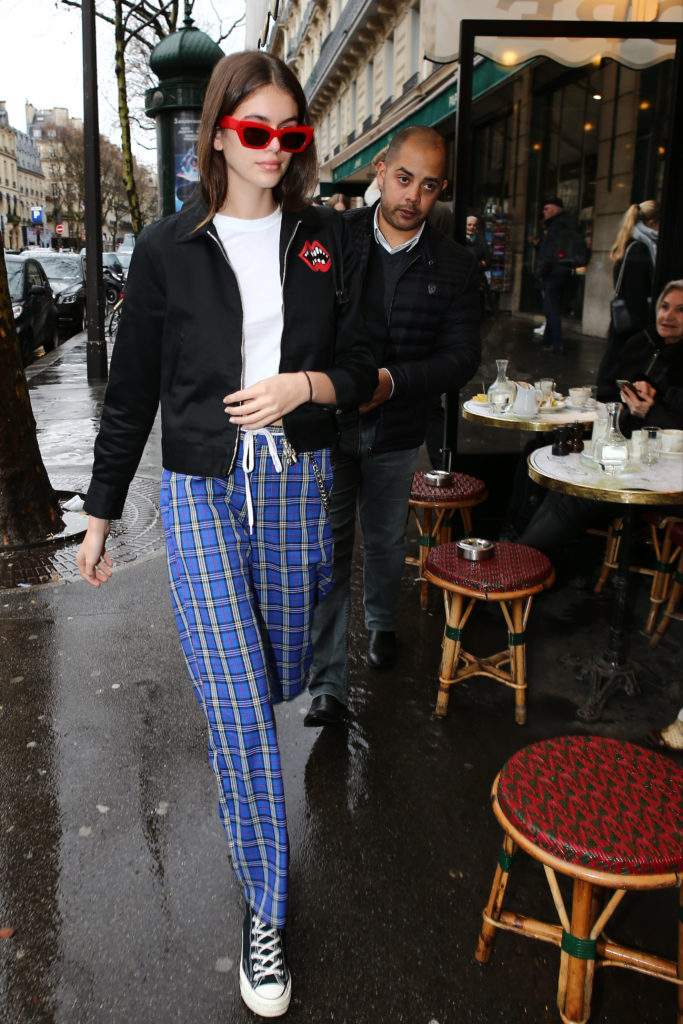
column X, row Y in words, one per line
column 185, row 135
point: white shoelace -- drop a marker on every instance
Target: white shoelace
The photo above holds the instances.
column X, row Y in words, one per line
column 266, row 951
column 248, row 461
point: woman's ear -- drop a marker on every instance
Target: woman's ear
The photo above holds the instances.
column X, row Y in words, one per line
column 218, row 138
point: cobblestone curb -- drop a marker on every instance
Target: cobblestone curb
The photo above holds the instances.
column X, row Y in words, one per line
column 139, row 532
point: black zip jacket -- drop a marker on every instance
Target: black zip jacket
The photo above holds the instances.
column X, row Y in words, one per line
column 645, row 356
column 180, row 343
column 431, row 344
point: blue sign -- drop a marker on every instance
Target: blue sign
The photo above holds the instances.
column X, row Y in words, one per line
column 36, row 215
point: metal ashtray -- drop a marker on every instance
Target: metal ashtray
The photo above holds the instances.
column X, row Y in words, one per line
column 439, row 478
column 475, row 549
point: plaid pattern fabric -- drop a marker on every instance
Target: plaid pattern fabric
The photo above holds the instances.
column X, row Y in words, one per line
column 243, row 604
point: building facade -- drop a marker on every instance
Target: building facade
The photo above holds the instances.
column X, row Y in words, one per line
column 594, row 135
column 22, row 187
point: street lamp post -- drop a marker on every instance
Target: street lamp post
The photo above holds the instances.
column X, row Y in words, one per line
column 97, row 346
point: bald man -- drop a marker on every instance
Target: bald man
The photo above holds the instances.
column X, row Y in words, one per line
column 421, row 305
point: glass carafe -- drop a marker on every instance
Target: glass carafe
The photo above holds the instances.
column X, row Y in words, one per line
column 502, row 392
column 611, row 451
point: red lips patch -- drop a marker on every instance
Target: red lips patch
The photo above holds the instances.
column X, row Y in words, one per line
column 316, row 256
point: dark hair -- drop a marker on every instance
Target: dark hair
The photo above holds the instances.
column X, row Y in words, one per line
column 233, row 79
column 429, row 137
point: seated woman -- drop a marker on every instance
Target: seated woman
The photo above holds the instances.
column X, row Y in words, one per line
column 654, row 363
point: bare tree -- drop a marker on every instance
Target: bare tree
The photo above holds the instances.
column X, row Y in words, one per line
column 29, row 507
column 138, row 26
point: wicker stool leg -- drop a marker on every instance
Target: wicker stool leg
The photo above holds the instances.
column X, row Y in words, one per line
column 611, row 553
column 574, row 1002
column 670, row 611
column 680, row 954
column 518, row 658
column 425, row 548
column 495, row 903
column 661, row 576
column 450, row 653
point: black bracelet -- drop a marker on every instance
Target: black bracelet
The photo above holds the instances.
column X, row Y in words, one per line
column 310, row 385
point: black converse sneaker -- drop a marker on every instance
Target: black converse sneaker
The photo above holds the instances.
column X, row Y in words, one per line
column 265, row 984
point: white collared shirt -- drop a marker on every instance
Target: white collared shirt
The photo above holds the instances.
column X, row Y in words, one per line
column 403, row 246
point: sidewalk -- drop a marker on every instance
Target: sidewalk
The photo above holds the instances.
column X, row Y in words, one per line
column 113, row 867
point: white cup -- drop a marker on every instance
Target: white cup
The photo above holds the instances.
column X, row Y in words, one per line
column 672, row 440
column 578, row 396
column 636, row 445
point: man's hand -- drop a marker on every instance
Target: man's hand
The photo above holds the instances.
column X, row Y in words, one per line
column 381, row 394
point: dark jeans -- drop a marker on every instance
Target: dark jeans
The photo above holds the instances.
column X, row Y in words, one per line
column 378, row 488
column 553, row 288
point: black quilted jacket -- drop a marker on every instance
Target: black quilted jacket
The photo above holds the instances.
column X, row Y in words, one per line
column 432, row 344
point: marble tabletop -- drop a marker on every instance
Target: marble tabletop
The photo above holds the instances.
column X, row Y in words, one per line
column 661, row 484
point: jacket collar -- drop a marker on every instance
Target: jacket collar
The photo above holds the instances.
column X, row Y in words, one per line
column 367, row 214
column 194, row 213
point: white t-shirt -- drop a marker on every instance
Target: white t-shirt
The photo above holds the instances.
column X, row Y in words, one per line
column 253, row 248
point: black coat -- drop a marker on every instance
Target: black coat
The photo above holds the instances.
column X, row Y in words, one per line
column 549, row 246
column 432, row 343
column 180, row 342
column 645, row 357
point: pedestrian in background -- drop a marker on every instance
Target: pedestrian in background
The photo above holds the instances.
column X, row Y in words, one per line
column 553, row 270
column 339, row 202
column 421, row 306
column 241, row 317
column 633, row 254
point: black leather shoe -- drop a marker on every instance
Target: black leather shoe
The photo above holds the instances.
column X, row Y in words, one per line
column 324, row 710
column 381, row 648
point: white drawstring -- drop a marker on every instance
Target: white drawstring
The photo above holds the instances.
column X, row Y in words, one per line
column 248, row 459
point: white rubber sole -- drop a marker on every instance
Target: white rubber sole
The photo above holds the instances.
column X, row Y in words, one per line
column 264, row 1007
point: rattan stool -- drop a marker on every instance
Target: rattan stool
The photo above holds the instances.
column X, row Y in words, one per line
column 511, row 577
column 674, row 563
column 434, row 508
column 608, row 815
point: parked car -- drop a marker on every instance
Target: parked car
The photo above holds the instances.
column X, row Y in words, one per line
column 33, row 306
column 66, row 273
column 124, row 257
column 113, row 275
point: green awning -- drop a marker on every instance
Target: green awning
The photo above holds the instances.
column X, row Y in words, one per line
column 486, row 76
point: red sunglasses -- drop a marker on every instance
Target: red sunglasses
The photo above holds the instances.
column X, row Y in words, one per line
column 257, row 136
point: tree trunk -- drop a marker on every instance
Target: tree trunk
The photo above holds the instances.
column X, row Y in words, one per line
column 29, row 508
column 124, row 119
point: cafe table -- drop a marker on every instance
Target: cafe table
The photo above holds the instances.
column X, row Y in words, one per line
column 545, row 419
column 636, row 486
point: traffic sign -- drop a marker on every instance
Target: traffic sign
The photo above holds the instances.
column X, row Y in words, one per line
column 59, row 228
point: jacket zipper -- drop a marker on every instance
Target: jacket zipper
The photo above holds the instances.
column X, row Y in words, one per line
column 282, row 286
column 218, row 242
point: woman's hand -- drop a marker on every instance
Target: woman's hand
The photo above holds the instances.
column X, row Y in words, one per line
column 94, row 564
column 265, row 403
column 640, row 403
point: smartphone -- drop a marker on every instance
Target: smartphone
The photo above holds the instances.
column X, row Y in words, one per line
column 626, row 385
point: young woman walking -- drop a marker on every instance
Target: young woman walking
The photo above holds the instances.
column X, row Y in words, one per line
column 241, row 319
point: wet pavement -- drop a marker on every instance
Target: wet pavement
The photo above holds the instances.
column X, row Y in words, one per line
column 113, row 868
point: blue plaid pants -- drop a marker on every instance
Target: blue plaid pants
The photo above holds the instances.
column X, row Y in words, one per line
column 243, row 602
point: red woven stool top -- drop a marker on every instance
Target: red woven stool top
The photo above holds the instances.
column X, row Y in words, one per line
column 598, row 803
column 512, row 567
column 463, row 487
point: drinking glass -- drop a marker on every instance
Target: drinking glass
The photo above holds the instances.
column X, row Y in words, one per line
column 652, row 446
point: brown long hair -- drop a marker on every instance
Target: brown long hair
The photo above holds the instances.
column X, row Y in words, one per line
column 233, row 79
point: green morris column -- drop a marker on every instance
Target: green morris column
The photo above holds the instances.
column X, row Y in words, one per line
column 183, row 63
